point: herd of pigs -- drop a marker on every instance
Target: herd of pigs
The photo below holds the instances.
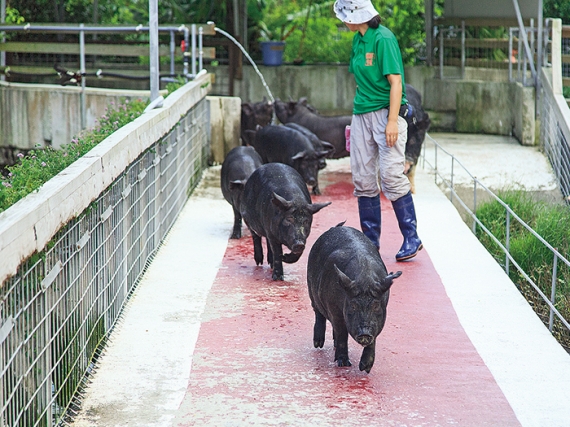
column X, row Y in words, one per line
column 265, row 180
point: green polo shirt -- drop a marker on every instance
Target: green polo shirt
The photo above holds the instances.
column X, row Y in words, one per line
column 375, row 55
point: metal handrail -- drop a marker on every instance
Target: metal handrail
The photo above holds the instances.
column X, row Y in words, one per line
column 449, row 184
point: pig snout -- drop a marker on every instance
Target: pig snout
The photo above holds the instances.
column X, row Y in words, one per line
column 298, row 248
column 364, row 339
column 311, row 181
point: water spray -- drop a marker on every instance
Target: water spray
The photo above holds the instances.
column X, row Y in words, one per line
column 229, row 36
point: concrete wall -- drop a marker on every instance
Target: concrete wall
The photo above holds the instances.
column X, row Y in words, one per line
column 225, row 119
column 483, row 102
column 33, row 115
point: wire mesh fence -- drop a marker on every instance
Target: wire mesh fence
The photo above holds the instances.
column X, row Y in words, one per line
column 57, row 311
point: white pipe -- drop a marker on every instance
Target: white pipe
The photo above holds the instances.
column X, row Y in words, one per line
column 153, row 35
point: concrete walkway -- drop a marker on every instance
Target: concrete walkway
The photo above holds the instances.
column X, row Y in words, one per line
column 209, row 340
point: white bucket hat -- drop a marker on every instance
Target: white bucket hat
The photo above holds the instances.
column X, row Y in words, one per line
column 354, row 11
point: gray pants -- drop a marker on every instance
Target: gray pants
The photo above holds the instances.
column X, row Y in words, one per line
column 370, row 154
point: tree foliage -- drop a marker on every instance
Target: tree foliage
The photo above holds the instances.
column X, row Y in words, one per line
column 557, row 9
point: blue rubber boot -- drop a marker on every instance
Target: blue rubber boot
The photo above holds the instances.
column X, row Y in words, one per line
column 369, row 211
column 406, row 215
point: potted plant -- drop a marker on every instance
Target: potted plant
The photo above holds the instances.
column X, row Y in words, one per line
column 278, row 24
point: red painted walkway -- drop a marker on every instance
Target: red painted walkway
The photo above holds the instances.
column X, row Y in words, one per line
column 254, row 363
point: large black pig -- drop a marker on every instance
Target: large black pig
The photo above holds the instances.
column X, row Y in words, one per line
column 277, row 205
column 418, row 124
column 282, row 144
column 327, row 128
column 237, row 167
column 255, row 114
column 348, row 286
column 318, row 145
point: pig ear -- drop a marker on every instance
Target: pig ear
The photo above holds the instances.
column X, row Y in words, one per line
column 345, row 281
column 315, row 207
column 247, row 108
column 303, row 101
column 327, row 145
column 281, row 202
column 299, row 155
column 321, row 154
column 237, row 183
column 389, row 280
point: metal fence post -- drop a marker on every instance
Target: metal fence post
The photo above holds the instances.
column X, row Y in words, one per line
column 82, row 71
column 441, row 54
column 508, row 242
column 462, row 49
column 200, row 49
column 474, row 226
column 553, row 291
column 172, row 52
column 2, row 54
column 153, row 41
column 510, row 55
column 193, row 51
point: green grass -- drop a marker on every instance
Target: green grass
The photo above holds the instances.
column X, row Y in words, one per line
column 42, row 164
column 534, row 257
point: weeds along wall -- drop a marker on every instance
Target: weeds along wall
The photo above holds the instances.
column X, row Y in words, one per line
column 86, row 237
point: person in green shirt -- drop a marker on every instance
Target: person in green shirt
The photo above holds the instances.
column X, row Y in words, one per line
column 378, row 132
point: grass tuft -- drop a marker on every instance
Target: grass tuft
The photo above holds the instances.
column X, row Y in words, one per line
column 533, row 256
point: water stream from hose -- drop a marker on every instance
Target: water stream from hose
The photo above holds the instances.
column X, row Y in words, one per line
column 229, row 36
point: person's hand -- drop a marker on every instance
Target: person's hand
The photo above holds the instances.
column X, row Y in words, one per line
column 391, row 133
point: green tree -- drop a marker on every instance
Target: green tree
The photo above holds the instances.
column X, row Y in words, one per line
column 557, row 9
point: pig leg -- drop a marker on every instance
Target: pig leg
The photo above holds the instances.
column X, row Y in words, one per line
column 277, row 251
column 257, row 248
column 316, row 190
column 367, row 358
column 269, row 254
column 319, row 329
column 340, row 336
column 236, row 234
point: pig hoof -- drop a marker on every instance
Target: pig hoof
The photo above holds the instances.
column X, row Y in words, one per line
column 318, row 343
column 258, row 259
column 277, row 276
column 365, row 367
column 316, row 191
column 235, row 236
column 343, row 361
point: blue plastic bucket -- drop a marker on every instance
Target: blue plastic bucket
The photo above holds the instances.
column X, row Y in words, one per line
column 272, row 53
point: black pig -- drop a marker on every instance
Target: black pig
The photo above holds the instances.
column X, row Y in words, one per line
column 281, row 144
column 238, row 165
column 318, row 145
column 277, row 205
column 255, row 114
column 349, row 286
column 418, row 124
column 327, row 128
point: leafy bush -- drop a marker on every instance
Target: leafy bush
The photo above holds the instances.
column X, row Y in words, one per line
column 326, row 39
column 536, row 259
column 40, row 165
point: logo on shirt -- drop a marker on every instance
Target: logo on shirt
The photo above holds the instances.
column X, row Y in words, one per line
column 369, row 59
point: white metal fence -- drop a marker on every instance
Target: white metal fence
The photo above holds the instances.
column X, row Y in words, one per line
column 63, row 302
column 447, row 170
